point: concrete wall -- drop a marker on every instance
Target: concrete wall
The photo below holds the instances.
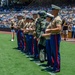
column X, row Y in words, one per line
column 5, row 29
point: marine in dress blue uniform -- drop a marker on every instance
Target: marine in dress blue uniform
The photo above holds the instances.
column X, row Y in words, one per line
column 49, row 18
column 31, row 46
column 55, row 38
column 26, row 26
column 19, row 17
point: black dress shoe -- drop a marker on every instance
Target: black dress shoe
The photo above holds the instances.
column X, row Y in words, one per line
column 55, row 71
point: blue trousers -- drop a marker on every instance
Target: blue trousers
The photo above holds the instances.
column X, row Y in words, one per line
column 21, row 40
column 48, row 51
column 31, row 44
column 55, row 50
column 36, row 53
column 18, row 38
column 27, row 42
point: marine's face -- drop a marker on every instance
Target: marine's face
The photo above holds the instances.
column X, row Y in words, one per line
column 54, row 11
column 31, row 20
column 48, row 19
column 27, row 20
column 35, row 16
column 19, row 17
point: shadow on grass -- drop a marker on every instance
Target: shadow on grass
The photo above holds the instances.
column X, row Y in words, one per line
column 16, row 48
column 22, row 51
column 44, row 65
column 34, row 59
column 46, row 69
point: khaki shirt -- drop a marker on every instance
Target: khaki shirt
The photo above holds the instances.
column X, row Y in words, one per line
column 57, row 20
column 48, row 27
column 26, row 26
column 20, row 24
column 32, row 25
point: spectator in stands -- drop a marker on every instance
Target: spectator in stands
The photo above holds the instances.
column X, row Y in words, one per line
column 70, row 30
column 65, row 30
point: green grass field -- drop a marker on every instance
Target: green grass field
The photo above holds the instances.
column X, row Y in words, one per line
column 14, row 62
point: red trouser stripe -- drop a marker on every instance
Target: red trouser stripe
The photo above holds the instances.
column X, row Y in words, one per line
column 57, row 50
